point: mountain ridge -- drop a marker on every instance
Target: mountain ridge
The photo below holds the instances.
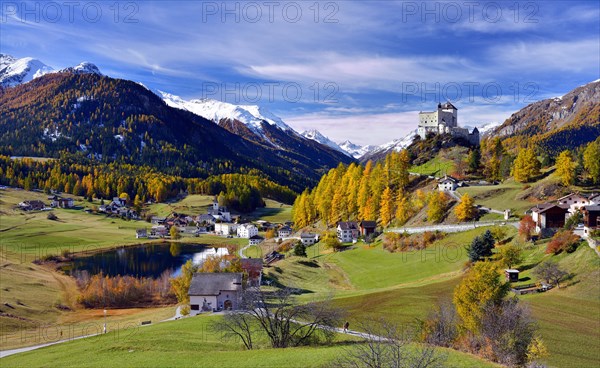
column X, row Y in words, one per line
column 109, row 119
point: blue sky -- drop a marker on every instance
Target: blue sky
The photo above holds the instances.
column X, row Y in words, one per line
column 358, row 70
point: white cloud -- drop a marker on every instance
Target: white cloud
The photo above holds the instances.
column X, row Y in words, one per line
column 548, row 56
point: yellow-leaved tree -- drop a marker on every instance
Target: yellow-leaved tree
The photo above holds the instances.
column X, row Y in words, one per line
column 436, row 206
column 466, row 209
column 181, row 285
column 565, row 167
column 481, row 286
column 526, row 166
column 403, row 208
column 591, row 160
column 386, row 207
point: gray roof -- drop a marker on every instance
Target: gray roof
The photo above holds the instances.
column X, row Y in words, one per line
column 215, row 283
column 543, row 207
column 594, row 208
column 308, row 235
column 349, row 225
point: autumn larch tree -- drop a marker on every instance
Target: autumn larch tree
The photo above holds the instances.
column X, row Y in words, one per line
column 526, row 166
column 565, row 168
column 181, row 285
column 436, row 204
column 174, row 232
column 386, row 208
column 466, row 209
column 510, row 255
column 481, row 287
column 591, row 160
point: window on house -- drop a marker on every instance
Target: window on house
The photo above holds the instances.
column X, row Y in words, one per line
column 195, row 307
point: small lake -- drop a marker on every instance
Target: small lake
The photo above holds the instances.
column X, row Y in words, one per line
column 150, row 260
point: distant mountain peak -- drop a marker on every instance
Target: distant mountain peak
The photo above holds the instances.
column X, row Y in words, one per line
column 217, row 111
column 395, row 145
column 317, row 136
column 356, row 150
column 15, row 71
column 83, row 68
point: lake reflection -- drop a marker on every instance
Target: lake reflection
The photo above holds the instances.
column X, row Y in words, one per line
column 150, row 260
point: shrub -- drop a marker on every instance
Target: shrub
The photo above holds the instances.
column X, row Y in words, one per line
column 101, row 291
column 401, row 242
column 563, row 240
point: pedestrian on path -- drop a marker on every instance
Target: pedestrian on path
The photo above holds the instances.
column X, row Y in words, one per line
column 346, row 325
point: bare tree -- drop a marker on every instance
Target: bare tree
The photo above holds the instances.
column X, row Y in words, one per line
column 441, row 326
column 508, row 329
column 277, row 316
column 236, row 324
column 550, row 272
column 388, row 346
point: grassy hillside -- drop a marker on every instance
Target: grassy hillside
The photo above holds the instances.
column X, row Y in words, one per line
column 369, row 282
column 189, row 342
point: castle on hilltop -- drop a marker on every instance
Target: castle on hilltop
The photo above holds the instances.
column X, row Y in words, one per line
column 444, row 120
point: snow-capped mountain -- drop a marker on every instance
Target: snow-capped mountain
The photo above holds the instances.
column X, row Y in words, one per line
column 355, row 150
column 486, row 128
column 396, row 145
column 317, row 136
column 258, row 125
column 83, row 68
column 16, row 71
column 251, row 116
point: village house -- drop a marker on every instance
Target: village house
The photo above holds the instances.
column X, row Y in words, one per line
column 205, row 219
column 219, row 213
column 264, row 225
column 549, row 216
column 574, row 201
column 284, row 232
column 158, row 220
column 447, row 184
column 255, row 240
column 347, row 231
column 141, row 233
column 367, row 227
column 253, row 268
column 591, row 218
column 247, row 231
column 215, row 291
column 309, row 238
column 159, row 231
column 189, row 230
column 32, row 205
column 225, row 228
column 119, row 202
column 59, row 202
column 273, row 256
